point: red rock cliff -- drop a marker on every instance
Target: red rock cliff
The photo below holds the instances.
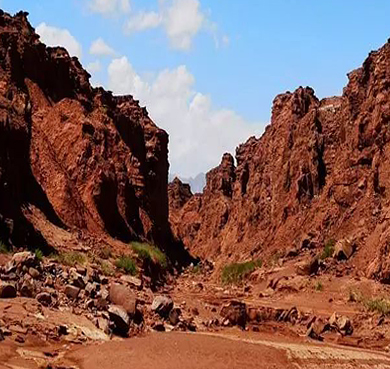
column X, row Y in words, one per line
column 321, row 168
column 76, row 162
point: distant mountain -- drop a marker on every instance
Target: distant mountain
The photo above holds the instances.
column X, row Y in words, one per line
column 197, row 184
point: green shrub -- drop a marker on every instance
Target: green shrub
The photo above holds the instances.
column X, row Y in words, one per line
column 151, row 253
column 237, row 272
column 328, row 249
column 318, row 286
column 106, row 268
column 70, row 258
column 39, row 254
column 126, row 264
column 4, row 249
column 378, row 305
column 105, row 253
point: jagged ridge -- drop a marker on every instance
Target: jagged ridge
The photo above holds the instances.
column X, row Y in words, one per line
column 319, row 171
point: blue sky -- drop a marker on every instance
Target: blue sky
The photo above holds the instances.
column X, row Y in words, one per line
column 221, row 63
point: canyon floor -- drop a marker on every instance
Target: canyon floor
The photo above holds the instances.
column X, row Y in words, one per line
column 280, row 304
column 195, row 350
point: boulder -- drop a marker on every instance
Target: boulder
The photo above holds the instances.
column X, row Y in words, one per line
column 72, row 292
column 25, row 258
column 122, row 296
column 309, row 267
column 235, row 313
column 91, row 289
column 120, row 319
column 76, row 278
column 7, row 290
column 133, row 281
column 345, row 325
column 28, row 288
column 162, row 305
column 343, row 249
column 34, row 273
column 44, row 298
column 174, row 316
column 314, row 332
column 158, row 326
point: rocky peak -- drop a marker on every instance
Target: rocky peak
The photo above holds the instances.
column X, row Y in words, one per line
column 221, row 179
column 320, row 168
column 179, row 193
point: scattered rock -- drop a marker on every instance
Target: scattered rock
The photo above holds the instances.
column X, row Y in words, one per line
column 159, row 327
column 7, row 291
column 120, row 318
column 174, row 316
column 235, row 313
column 313, row 333
column 34, row 273
column 308, row 267
column 72, row 291
column 162, row 305
column 345, row 325
column 44, row 298
column 343, row 249
column 28, row 288
column 122, row 296
column 134, row 281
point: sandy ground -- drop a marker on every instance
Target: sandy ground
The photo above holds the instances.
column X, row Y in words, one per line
column 194, row 351
column 234, row 350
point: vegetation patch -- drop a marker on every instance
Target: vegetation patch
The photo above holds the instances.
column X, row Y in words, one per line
column 70, row 258
column 4, row 249
column 127, row 264
column 319, row 286
column 237, row 272
column 328, row 249
column 39, row 254
column 378, row 305
column 151, row 253
column 107, row 268
column 105, row 253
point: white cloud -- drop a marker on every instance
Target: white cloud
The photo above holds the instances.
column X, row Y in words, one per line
column 94, row 67
column 199, row 133
column 53, row 36
column 181, row 20
column 143, row 21
column 99, row 47
column 109, row 7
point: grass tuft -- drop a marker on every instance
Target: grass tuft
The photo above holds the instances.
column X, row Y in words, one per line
column 378, row 305
column 105, row 253
column 70, row 258
column 328, row 249
column 39, row 254
column 126, row 264
column 319, row 286
column 147, row 252
column 4, row 249
column 237, row 272
column 107, row 268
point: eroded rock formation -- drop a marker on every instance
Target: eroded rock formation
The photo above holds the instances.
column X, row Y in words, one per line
column 77, row 164
column 320, row 169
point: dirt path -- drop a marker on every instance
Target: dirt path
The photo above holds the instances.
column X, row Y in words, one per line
column 205, row 350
